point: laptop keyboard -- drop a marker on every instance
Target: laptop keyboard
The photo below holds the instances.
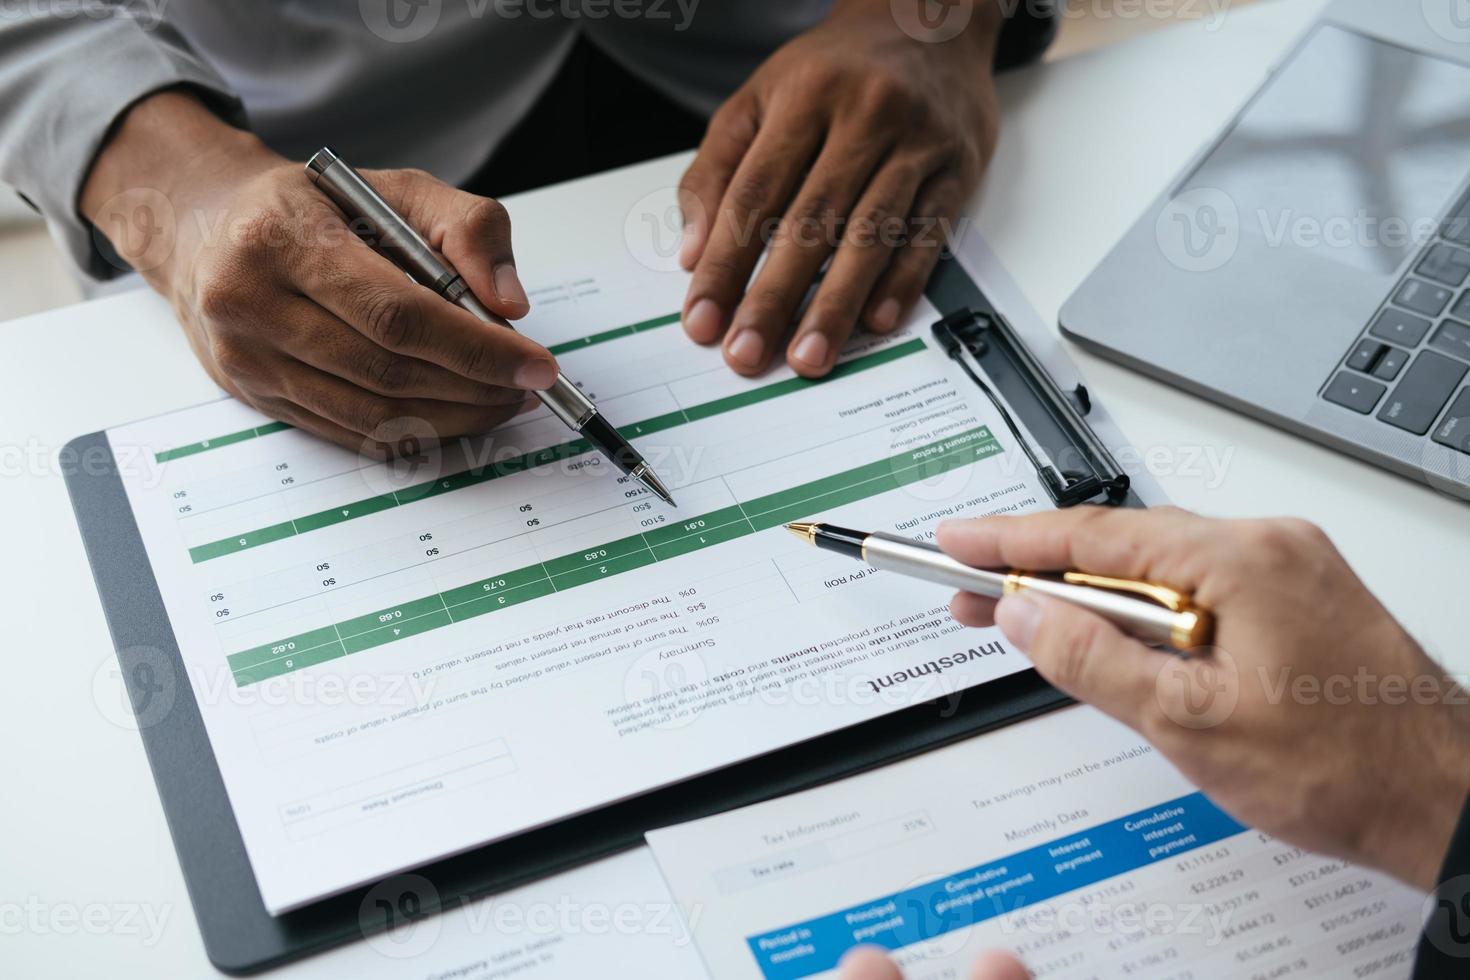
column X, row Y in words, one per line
column 1416, row 352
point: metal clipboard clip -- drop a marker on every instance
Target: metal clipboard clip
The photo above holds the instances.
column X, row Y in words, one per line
column 1048, row 423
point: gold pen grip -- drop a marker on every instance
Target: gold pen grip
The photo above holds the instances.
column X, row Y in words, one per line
column 1153, row 613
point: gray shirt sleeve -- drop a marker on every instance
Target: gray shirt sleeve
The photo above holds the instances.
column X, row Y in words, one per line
column 67, row 77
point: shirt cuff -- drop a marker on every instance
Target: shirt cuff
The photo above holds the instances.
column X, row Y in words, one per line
column 1444, row 947
column 77, row 85
column 1026, row 34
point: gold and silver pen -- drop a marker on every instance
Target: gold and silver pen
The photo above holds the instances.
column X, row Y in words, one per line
column 1152, row 613
column 395, row 238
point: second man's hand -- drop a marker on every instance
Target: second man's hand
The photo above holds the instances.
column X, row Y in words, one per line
column 857, row 142
column 1316, row 718
column 291, row 312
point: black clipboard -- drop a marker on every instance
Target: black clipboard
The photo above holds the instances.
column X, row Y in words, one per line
column 240, row 936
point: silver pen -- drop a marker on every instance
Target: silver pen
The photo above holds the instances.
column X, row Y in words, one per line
column 383, row 227
column 1152, row 613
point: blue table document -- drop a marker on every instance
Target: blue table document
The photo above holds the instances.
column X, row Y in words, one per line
column 1066, row 839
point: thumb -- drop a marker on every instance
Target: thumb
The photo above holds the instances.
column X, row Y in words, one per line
column 998, row 964
column 472, row 232
column 1082, row 654
column 868, row 963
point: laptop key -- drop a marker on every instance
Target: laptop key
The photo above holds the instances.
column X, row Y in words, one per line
column 1422, row 392
column 1354, row 392
column 1446, row 264
column 1400, row 327
column 1452, row 337
column 1461, row 308
column 1391, row 364
column 1454, row 429
column 1422, row 297
column 1365, row 355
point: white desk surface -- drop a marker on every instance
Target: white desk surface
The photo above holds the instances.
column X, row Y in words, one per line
column 1087, row 143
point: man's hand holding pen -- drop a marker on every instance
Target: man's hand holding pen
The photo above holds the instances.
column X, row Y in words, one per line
column 289, row 311
column 1315, row 717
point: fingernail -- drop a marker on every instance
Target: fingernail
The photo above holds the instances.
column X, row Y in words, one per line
column 747, row 349
column 704, row 321
column 529, row 405
column 692, row 242
column 812, row 350
column 536, row 375
column 885, row 315
column 508, row 285
column 1018, row 616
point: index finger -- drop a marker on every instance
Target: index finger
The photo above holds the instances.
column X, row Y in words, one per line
column 365, row 290
column 1160, row 544
column 760, row 189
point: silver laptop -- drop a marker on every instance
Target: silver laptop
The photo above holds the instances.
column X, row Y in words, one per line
column 1310, row 267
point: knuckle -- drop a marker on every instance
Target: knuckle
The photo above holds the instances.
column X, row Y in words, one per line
column 223, row 301
column 692, row 184
column 816, row 205
column 389, row 374
column 390, row 319
column 752, row 192
column 373, row 416
column 770, row 298
column 488, row 216
column 889, row 99
column 736, row 121
column 234, row 359
column 878, row 222
column 1272, row 546
column 257, row 233
column 909, row 171
column 400, row 179
column 478, row 361
column 1270, row 538
column 721, row 265
column 836, row 309
column 820, row 76
column 1307, row 532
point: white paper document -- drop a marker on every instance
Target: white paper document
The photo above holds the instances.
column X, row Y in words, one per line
column 399, row 663
column 1065, row 839
column 609, row 920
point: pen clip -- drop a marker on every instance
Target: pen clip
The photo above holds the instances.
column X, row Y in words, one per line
column 1170, row 599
